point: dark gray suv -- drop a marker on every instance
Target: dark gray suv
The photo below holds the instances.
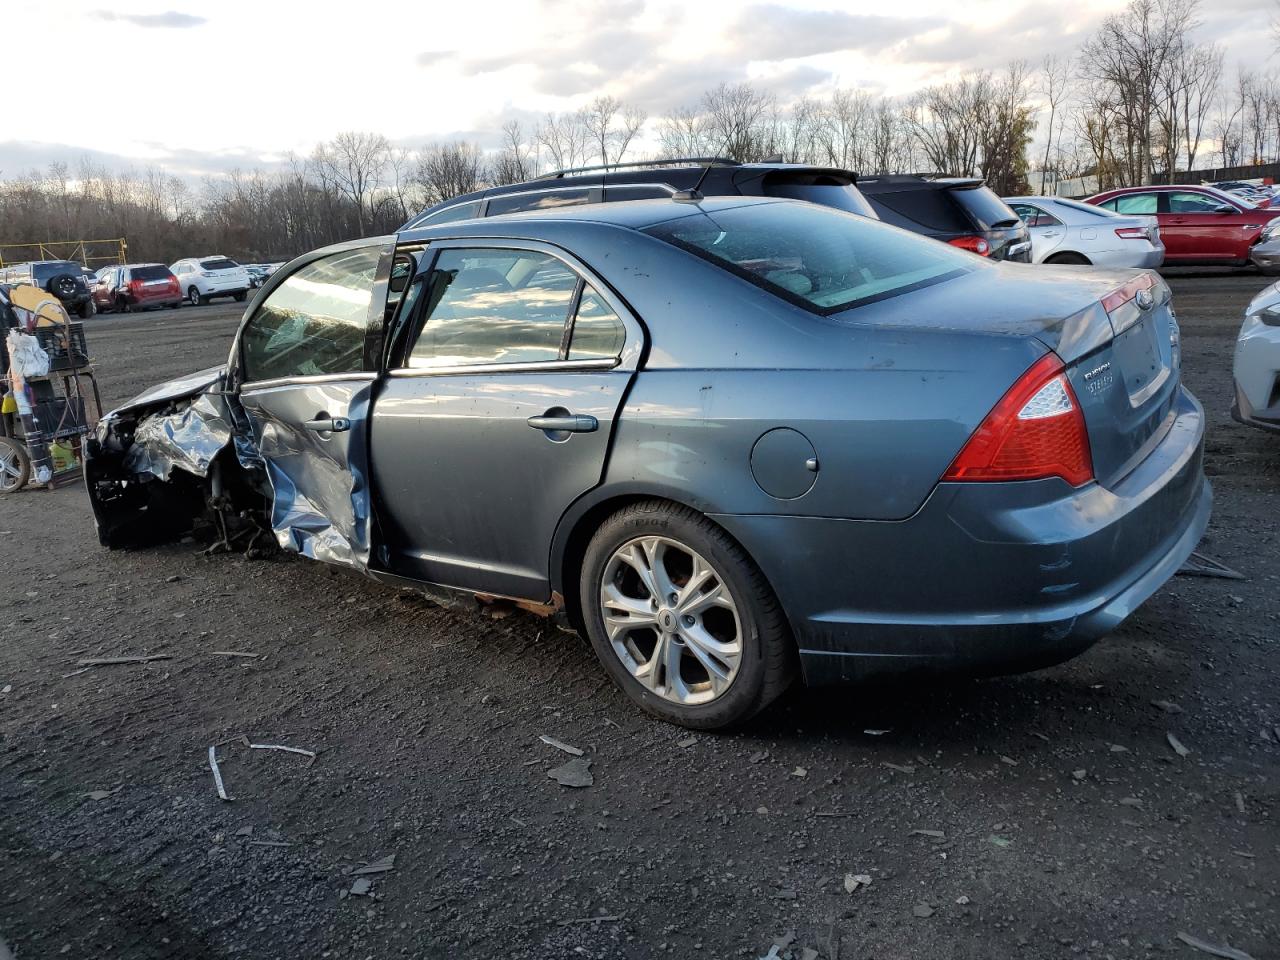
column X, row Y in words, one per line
column 62, row 278
column 656, row 180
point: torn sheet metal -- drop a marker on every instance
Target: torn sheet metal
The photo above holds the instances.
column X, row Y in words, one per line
column 187, row 439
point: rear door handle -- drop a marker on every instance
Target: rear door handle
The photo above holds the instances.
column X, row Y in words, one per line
column 569, row 423
column 329, row 425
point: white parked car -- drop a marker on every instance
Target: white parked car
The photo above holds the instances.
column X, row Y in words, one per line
column 203, row 278
column 1257, row 363
column 1067, row 231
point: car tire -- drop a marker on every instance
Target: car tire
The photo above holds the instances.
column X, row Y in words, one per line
column 175, row 305
column 685, row 544
column 15, row 466
column 195, row 299
column 87, row 310
column 1070, row 258
column 241, row 297
column 62, row 286
column 122, row 305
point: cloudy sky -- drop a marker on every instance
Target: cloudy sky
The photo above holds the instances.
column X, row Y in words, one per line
column 204, row 86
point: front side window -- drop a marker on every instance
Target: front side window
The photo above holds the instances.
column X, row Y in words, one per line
column 1144, row 203
column 1180, row 202
column 494, row 306
column 459, row 211
column 315, row 322
column 812, row 256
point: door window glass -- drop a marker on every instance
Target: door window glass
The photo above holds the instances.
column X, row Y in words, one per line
column 1194, row 203
column 1135, row 203
column 494, row 306
column 598, row 333
column 1034, row 216
column 314, row 323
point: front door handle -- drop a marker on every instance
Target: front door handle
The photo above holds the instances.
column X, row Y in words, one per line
column 328, row 425
column 568, row 423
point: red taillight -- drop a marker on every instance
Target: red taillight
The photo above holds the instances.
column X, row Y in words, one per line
column 1112, row 301
column 1131, row 233
column 1036, row 430
column 135, row 285
column 976, row 245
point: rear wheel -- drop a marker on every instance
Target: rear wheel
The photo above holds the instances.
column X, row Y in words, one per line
column 122, row 305
column 87, row 309
column 682, row 619
column 241, row 296
column 15, row 465
column 1077, row 258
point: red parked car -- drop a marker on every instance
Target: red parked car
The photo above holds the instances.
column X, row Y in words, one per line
column 136, row 286
column 1199, row 225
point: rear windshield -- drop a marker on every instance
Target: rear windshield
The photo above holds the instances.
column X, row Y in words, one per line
column 222, row 263
column 47, row 271
column 985, row 207
column 841, row 196
column 816, row 257
column 150, row 273
column 929, row 208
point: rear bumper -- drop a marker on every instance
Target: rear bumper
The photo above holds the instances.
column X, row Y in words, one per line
column 1139, row 255
column 986, row 578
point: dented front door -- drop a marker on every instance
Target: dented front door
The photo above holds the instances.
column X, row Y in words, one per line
column 308, row 361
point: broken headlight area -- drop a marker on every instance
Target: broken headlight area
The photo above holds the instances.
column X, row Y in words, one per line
column 158, row 473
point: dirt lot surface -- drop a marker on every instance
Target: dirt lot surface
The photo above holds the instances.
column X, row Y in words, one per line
column 1038, row 816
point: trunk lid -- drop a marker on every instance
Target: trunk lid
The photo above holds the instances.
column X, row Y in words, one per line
column 1121, row 356
column 1127, row 387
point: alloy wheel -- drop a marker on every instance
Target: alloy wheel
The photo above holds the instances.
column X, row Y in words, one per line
column 671, row 620
column 11, row 472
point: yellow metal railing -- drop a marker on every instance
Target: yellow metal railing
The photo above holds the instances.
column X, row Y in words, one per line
column 92, row 253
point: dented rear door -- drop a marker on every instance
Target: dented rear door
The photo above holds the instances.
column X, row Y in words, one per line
column 308, row 361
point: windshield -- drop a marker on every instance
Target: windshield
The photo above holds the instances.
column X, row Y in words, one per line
column 985, row 207
column 221, row 263
column 812, row 256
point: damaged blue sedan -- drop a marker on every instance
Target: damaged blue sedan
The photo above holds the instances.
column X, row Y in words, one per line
column 731, row 441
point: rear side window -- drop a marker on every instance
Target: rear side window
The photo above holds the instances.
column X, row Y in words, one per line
column 1034, row 216
column 494, row 306
column 150, row 273
column 518, row 202
column 221, row 263
column 1134, row 203
column 314, row 323
column 930, row 208
column 987, row 210
column 598, row 333
column 813, row 256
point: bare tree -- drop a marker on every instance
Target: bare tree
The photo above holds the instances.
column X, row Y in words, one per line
column 354, row 163
column 598, row 118
column 514, row 161
column 565, row 137
column 633, row 121
column 737, row 120
column 1055, row 80
column 446, row 170
column 683, row 133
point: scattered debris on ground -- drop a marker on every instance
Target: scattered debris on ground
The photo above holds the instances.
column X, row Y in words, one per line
column 560, row 745
column 575, row 773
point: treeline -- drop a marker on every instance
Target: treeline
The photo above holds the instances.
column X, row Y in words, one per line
column 1140, row 100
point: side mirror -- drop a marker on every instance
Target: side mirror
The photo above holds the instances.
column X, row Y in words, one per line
column 1224, row 208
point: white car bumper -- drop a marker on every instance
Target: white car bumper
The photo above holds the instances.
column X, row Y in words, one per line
column 1257, row 374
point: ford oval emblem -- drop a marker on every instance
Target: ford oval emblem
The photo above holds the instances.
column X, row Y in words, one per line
column 1145, row 300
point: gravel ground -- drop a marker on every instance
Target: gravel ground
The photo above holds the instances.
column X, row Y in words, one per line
column 1045, row 815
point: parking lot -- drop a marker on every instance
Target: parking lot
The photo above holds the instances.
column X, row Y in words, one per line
column 1046, row 815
